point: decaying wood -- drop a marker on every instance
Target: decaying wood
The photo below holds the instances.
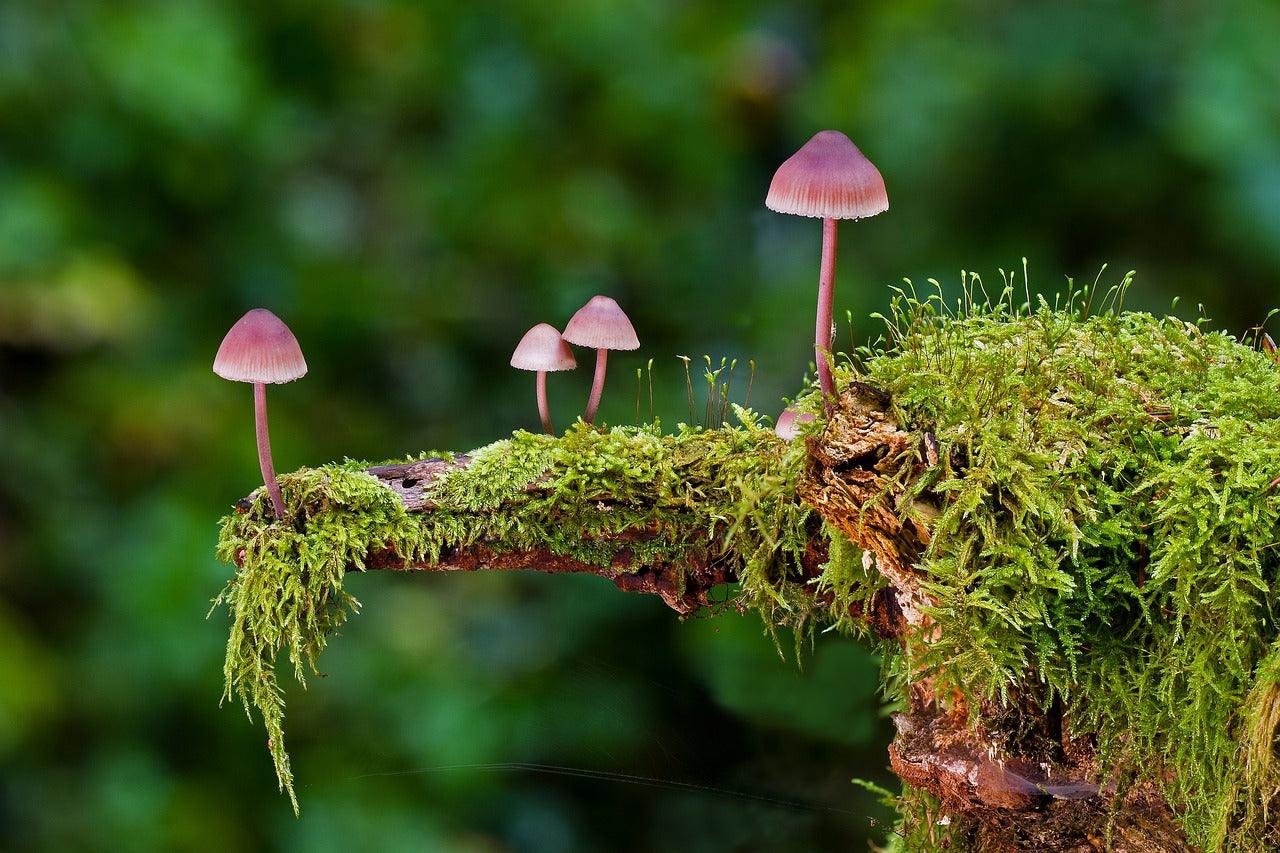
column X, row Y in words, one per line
column 1022, row 802
column 849, row 484
column 685, row 588
column 1003, row 796
column 1029, row 795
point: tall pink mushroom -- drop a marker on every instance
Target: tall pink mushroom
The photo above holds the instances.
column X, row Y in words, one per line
column 261, row 350
column 828, row 178
column 542, row 349
column 601, row 325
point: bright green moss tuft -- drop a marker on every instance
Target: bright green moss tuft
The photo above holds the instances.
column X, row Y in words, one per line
column 1106, row 535
column 288, row 593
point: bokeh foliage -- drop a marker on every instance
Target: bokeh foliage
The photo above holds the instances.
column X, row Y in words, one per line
column 411, row 186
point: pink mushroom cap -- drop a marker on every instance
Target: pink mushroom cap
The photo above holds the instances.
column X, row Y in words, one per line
column 601, row 324
column 789, row 422
column 260, row 348
column 828, row 178
column 543, row 349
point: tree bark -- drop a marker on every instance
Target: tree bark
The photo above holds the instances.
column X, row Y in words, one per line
column 997, row 794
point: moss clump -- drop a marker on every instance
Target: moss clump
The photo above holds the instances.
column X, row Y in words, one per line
column 726, row 494
column 287, row 594
column 1106, row 536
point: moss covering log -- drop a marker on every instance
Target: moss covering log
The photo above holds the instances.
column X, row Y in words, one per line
column 1057, row 525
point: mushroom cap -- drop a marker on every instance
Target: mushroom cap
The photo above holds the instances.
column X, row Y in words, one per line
column 828, row 178
column 601, row 324
column 260, row 348
column 789, row 422
column 543, row 349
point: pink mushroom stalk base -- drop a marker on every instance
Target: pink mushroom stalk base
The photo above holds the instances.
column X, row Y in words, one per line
column 826, row 300
column 597, row 386
column 544, row 410
column 264, row 448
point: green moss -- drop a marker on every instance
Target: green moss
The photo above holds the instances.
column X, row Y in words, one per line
column 851, row 584
column 1106, row 535
column 924, row 825
column 288, row 593
column 728, row 494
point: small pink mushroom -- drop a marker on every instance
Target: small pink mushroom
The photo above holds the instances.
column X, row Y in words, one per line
column 602, row 326
column 789, row 423
column 828, row 178
column 261, row 350
column 543, row 350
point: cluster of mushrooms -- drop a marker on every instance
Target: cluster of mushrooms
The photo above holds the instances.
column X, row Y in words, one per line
column 828, row 178
column 601, row 324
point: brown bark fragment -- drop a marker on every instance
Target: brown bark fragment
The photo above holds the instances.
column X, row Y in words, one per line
column 411, row 480
column 851, row 484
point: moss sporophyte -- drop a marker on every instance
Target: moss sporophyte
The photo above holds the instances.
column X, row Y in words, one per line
column 1103, row 536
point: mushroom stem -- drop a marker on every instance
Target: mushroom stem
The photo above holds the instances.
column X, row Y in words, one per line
column 826, row 297
column 264, row 448
column 597, row 386
column 543, row 409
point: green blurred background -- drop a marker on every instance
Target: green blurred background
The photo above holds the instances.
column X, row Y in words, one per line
column 410, row 186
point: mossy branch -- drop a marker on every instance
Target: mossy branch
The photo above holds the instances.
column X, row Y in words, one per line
column 632, row 559
column 1063, row 521
column 677, row 515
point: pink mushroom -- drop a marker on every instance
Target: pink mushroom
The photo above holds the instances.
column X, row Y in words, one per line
column 542, row 349
column 602, row 326
column 828, row 178
column 789, row 423
column 261, row 350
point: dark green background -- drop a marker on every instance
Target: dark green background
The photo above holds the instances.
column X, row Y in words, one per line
column 410, row 186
